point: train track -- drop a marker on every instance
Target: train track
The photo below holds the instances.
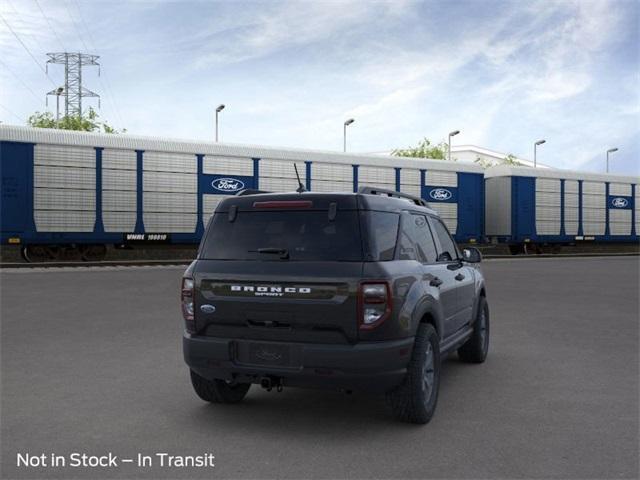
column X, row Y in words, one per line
column 177, row 262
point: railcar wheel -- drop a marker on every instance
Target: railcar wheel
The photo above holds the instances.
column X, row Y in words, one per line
column 40, row 253
column 93, row 253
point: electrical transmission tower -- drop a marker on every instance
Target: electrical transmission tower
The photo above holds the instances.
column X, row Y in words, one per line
column 73, row 91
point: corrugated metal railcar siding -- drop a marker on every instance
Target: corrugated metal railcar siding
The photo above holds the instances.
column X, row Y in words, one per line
column 227, row 166
column 382, row 177
column 280, row 176
column 571, row 205
column 594, row 204
column 547, row 206
column 64, row 188
column 119, row 190
column 410, row 182
column 619, row 219
column 331, row 177
column 447, row 211
column 170, row 202
column 498, row 206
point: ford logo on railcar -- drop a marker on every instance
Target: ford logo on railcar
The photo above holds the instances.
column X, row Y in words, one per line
column 619, row 202
column 440, row 194
column 228, row 184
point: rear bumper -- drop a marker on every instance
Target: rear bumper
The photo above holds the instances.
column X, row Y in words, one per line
column 367, row 366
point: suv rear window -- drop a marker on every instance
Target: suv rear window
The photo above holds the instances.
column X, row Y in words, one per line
column 303, row 235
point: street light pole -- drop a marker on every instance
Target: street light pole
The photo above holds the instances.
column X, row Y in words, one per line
column 218, row 110
column 535, row 152
column 611, row 150
column 59, row 91
column 344, row 133
column 452, row 134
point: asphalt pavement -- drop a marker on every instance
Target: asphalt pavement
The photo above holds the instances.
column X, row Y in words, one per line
column 91, row 362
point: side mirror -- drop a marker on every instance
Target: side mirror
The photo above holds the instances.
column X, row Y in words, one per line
column 472, row 255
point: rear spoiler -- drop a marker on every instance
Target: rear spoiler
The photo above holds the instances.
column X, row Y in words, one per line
column 250, row 191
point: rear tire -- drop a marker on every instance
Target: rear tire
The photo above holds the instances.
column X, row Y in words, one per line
column 476, row 348
column 416, row 398
column 218, row 391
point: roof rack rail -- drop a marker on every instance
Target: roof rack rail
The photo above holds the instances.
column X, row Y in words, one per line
column 392, row 193
column 250, row 191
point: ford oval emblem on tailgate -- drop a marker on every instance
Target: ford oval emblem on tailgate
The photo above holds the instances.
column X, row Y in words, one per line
column 206, row 308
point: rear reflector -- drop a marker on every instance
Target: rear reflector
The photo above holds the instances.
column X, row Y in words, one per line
column 284, row 204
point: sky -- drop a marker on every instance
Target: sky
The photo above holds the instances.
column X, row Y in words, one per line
column 504, row 73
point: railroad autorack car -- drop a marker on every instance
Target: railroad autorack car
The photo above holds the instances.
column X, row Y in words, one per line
column 78, row 190
column 528, row 208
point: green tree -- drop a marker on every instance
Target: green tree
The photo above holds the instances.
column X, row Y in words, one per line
column 424, row 150
column 89, row 122
column 510, row 159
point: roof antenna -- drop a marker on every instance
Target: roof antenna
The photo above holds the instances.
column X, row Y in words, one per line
column 300, row 188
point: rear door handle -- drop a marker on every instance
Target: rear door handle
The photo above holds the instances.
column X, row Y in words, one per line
column 459, row 277
column 435, row 282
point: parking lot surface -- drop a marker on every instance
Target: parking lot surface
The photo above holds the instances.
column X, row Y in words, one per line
column 92, row 362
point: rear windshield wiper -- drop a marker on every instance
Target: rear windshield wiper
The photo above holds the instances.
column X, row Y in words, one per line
column 283, row 252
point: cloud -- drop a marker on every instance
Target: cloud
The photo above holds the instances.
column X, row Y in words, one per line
column 291, row 72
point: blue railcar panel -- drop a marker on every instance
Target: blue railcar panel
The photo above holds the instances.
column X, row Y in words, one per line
column 16, row 206
column 139, row 192
column 580, row 229
column 523, row 208
column 99, row 226
column 256, row 173
column 307, row 166
column 199, row 206
column 562, row 230
column 355, row 178
column 470, row 197
column 221, row 184
column 437, row 193
column 620, row 202
column 607, row 231
column 634, row 231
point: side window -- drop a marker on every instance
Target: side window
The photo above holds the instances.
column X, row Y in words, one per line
column 448, row 246
column 382, row 230
column 416, row 242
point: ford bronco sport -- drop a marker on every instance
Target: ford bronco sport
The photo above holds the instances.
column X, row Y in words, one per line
column 351, row 291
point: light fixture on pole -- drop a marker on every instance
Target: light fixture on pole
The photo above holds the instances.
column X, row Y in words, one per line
column 452, row 134
column 218, row 110
column 344, row 135
column 535, row 152
column 611, row 150
column 59, row 91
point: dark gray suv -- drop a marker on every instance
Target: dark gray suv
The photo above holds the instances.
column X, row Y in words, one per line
column 351, row 291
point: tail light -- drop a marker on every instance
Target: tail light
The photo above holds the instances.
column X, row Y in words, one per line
column 374, row 304
column 186, row 298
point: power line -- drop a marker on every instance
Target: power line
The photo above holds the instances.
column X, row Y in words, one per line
column 10, row 112
column 35, row 95
column 75, row 26
column 50, row 25
column 28, row 51
column 106, row 85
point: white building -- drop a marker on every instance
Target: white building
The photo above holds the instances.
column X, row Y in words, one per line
column 470, row 153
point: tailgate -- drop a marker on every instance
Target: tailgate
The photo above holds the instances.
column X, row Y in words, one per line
column 313, row 302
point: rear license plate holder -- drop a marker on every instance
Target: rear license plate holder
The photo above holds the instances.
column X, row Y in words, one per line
column 267, row 354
